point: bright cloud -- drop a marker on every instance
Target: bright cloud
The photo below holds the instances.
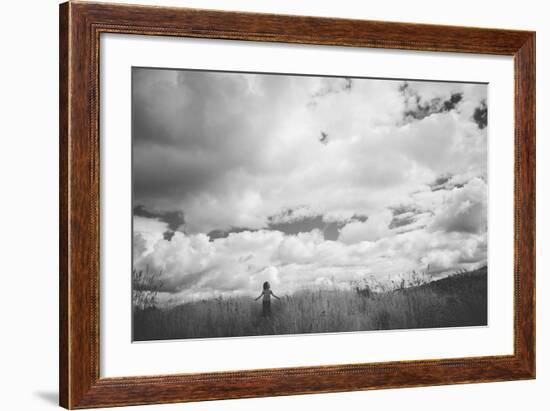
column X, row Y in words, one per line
column 304, row 180
column 376, row 226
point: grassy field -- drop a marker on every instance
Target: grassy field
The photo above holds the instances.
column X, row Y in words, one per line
column 458, row 300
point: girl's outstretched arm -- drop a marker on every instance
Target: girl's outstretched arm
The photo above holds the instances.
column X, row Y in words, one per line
column 273, row 294
column 258, row 297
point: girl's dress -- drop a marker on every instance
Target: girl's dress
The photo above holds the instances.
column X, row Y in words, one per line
column 266, row 303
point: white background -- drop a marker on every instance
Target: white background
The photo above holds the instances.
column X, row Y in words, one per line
column 28, row 165
column 119, row 357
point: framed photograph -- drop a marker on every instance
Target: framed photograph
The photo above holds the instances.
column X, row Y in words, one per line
column 259, row 205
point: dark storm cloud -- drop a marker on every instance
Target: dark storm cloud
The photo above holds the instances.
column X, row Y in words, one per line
column 399, row 210
column 451, row 103
column 305, row 224
column 162, row 172
column 359, row 217
column 218, row 233
column 435, row 105
column 174, row 219
column 182, row 123
column 403, row 216
column 168, row 235
column 440, row 182
column 480, row 115
column 421, row 109
column 445, row 182
column 401, row 221
column 330, row 229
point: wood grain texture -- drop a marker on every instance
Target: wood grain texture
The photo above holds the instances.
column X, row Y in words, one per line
column 63, row 205
column 525, row 202
column 80, row 27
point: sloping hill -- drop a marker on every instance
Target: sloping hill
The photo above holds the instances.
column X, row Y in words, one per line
column 456, row 301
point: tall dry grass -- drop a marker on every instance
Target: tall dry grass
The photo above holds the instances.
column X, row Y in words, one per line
column 459, row 300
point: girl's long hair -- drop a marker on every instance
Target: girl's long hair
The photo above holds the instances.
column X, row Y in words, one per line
column 266, row 285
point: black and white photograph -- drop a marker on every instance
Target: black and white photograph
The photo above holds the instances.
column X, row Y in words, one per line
column 273, row 204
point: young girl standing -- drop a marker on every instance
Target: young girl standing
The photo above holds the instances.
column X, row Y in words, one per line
column 266, row 294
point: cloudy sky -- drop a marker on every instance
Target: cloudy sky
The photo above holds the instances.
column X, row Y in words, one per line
column 240, row 178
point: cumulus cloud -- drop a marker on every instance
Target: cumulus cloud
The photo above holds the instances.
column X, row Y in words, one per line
column 194, row 266
column 375, row 227
column 148, row 231
column 244, row 177
column 464, row 209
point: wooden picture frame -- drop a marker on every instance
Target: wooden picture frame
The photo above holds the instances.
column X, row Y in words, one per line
column 81, row 24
